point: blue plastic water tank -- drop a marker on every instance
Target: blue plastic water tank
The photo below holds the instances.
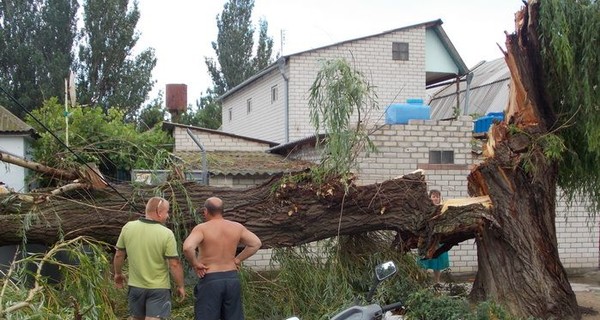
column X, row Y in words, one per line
column 484, row 123
column 400, row 113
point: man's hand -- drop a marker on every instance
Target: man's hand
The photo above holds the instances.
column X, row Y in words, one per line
column 238, row 263
column 200, row 269
column 119, row 280
column 180, row 293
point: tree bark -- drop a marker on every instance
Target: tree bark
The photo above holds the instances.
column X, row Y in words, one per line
column 518, row 263
column 280, row 214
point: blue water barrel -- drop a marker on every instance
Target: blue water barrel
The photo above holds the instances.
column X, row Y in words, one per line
column 484, row 123
column 400, row 113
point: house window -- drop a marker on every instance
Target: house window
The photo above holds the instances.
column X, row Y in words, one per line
column 249, row 105
column 274, row 94
column 230, row 114
column 400, row 51
column 441, row 157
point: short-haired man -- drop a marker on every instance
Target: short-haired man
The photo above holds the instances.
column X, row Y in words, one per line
column 218, row 292
column 151, row 252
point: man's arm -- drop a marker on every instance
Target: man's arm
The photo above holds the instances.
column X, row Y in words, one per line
column 252, row 243
column 190, row 245
column 118, row 265
column 176, row 270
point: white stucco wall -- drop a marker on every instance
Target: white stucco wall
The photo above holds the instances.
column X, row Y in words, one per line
column 14, row 176
column 266, row 119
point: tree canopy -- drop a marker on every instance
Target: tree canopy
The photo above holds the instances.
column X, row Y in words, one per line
column 99, row 136
column 235, row 61
column 568, row 33
column 36, row 41
column 108, row 73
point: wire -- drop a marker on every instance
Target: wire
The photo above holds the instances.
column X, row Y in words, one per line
column 70, row 150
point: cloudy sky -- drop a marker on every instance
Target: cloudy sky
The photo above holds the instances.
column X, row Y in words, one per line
column 181, row 31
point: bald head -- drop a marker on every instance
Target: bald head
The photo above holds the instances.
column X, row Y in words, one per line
column 213, row 206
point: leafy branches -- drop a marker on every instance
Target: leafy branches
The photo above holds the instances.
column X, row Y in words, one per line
column 571, row 59
column 97, row 137
column 339, row 96
column 84, row 292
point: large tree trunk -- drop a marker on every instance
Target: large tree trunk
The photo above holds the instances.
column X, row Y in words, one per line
column 518, row 263
column 280, row 214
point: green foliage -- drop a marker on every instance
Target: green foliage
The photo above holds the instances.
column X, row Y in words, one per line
column 569, row 48
column 426, row 305
column 316, row 284
column 207, row 114
column 98, row 137
column 264, row 51
column 85, row 291
column 152, row 114
column 340, row 102
column 36, row 39
column 108, row 73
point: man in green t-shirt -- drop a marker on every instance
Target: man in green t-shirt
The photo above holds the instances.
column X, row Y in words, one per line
column 151, row 252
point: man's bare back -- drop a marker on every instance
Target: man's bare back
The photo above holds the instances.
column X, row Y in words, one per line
column 217, row 240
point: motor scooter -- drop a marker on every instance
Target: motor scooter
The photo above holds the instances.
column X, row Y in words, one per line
column 370, row 311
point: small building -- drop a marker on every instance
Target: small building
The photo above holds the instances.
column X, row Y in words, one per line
column 16, row 138
column 231, row 160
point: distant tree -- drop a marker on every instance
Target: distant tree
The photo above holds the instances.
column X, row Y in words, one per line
column 234, row 63
column 108, row 73
column 152, row 114
column 36, row 41
column 207, row 114
column 264, row 51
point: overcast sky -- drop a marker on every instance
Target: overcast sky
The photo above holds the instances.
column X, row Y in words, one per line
column 181, row 31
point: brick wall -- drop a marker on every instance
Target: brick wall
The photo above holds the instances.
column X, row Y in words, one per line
column 214, row 141
column 393, row 80
column 405, row 148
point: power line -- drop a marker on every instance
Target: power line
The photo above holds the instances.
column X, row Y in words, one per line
column 70, row 150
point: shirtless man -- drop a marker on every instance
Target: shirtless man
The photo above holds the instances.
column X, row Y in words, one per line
column 210, row 249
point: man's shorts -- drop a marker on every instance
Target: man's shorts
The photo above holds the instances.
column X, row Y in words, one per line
column 149, row 302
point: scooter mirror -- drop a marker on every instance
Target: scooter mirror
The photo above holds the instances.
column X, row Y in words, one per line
column 293, row 318
column 385, row 270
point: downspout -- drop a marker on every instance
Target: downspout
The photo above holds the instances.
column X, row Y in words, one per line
column 467, row 93
column 203, row 154
column 286, row 104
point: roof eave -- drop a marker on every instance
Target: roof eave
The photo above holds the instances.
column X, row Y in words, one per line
column 462, row 67
column 249, row 80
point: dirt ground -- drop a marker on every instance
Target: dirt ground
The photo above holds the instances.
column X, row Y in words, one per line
column 589, row 304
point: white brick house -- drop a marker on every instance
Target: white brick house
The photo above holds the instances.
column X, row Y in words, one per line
column 399, row 63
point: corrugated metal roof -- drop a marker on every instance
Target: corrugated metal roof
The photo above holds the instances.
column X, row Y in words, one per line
column 9, row 123
column 488, row 92
column 242, row 163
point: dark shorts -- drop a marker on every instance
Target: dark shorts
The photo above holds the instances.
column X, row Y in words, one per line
column 219, row 296
column 149, row 302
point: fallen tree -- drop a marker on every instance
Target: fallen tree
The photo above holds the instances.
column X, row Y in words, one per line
column 280, row 213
